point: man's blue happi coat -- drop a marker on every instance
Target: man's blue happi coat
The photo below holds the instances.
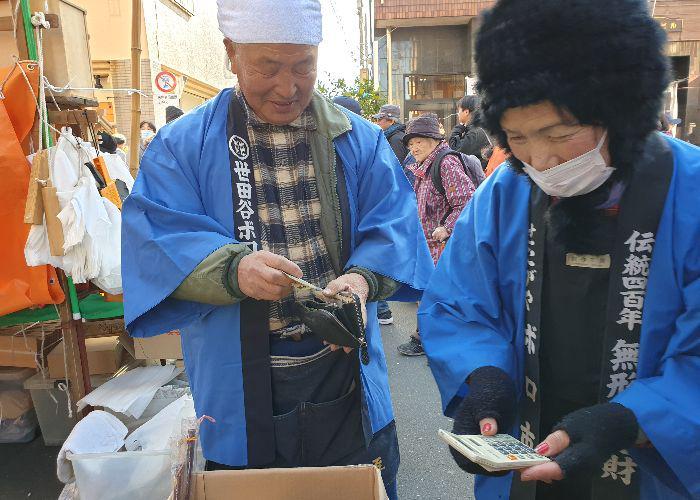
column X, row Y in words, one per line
column 473, row 315
column 181, row 211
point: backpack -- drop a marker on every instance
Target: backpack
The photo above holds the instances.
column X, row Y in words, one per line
column 470, row 164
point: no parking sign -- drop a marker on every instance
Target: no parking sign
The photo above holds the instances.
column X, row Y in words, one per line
column 166, row 82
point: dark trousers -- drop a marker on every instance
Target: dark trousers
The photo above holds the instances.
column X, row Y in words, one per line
column 318, row 417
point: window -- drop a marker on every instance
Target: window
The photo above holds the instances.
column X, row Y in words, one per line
column 433, row 87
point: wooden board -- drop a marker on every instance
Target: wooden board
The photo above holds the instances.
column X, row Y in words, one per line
column 34, row 207
column 6, row 22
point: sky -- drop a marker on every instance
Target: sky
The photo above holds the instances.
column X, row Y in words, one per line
column 339, row 50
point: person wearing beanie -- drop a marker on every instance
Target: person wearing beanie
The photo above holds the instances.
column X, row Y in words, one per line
column 107, row 143
column 348, row 103
column 122, row 149
column 264, row 184
column 566, row 308
column 172, row 113
column 389, row 119
column 438, row 211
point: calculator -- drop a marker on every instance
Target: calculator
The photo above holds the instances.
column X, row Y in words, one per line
column 494, row 453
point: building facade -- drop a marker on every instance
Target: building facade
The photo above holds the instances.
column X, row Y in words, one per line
column 428, row 46
column 180, row 37
column 681, row 20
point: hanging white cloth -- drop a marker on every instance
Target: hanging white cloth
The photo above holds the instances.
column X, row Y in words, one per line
column 91, row 224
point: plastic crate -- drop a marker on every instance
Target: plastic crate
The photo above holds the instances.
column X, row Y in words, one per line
column 123, row 475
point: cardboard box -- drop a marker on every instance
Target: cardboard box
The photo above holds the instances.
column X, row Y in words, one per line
column 26, row 351
column 360, row 482
column 104, row 356
column 165, row 346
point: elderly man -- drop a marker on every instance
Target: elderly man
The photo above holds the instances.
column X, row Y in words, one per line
column 266, row 181
column 566, row 307
column 389, row 119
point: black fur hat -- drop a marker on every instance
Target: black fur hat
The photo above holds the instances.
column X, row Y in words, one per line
column 602, row 60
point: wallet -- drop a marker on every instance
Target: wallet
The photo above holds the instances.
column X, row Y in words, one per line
column 338, row 323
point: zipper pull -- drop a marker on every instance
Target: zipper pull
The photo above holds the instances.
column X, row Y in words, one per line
column 364, row 352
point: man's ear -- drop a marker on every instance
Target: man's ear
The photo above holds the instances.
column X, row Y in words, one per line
column 232, row 53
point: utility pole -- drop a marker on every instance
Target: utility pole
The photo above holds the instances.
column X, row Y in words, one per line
column 363, row 62
column 389, row 67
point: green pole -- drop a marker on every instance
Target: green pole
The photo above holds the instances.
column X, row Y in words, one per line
column 29, row 30
column 73, row 295
column 33, row 54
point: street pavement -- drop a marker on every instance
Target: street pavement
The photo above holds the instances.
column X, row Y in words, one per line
column 427, row 470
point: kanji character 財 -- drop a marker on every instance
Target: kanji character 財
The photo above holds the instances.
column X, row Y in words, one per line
column 620, row 469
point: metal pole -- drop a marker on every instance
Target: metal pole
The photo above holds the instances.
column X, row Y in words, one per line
column 135, row 84
column 389, row 68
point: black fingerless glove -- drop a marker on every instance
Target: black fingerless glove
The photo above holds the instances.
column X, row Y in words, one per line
column 595, row 432
column 491, row 395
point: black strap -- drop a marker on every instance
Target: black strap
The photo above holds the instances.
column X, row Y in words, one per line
column 436, row 174
column 641, row 208
column 254, row 314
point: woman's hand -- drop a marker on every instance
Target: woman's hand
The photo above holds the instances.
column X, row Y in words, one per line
column 441, row 234
column 491, row 402
column 583, row 441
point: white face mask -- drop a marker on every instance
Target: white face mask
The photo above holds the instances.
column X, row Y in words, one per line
column 575, row 177
column 146, row 134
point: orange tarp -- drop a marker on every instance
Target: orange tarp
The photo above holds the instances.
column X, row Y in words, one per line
column 20, row 286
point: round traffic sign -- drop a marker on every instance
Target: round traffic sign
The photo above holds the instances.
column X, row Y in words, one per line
column 166, row 82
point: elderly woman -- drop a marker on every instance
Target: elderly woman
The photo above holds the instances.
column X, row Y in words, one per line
column 566, row 307
column 439, row 206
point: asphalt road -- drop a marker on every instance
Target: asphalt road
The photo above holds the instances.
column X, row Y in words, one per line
column 427, row 470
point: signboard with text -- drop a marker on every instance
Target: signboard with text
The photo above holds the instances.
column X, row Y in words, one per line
column 670, row 25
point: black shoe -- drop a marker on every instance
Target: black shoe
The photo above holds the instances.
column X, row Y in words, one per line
column 385, row 317
column 411, row 348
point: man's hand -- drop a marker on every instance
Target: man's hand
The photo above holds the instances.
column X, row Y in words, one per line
column 353, row 283
column 261, row 275
column 441, row 234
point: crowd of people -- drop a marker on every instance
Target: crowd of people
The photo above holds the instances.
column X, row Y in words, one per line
column 550, row 240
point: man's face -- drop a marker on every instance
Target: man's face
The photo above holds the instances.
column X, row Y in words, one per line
column 463, row 115
column 385, row 123
column 421, row 147
column 277, row 80
column 545, row 136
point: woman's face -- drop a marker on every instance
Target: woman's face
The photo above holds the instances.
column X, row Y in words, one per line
column 545, row 136
column 421, row 147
